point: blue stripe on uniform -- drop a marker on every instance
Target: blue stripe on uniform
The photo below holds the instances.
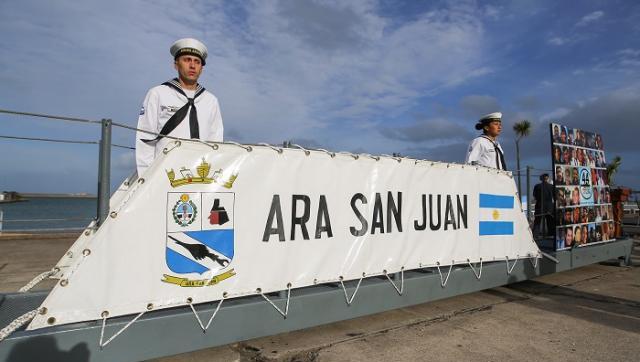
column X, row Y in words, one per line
column 496, row 228
column 496, row 201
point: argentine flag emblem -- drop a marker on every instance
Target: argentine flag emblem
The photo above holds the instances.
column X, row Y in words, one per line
column 496, row 214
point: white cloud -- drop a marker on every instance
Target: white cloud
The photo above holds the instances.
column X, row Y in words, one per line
column 555, row 115
column 629, row 58
column 439, row 130
column 281, row 69
column 576, row 35
column 493, row 12
column 547, row 83
column 124, row 161
column 556, row 40
column 590, row 18
column 630, row 52
column 478, row 105
column 625, row 61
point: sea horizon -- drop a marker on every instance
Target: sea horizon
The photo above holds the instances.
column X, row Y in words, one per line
column 40, row 214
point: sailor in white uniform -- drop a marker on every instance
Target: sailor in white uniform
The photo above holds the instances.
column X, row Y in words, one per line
column 485, row 150
column 179, row 107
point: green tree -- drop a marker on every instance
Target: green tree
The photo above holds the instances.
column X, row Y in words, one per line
column 612, row 168
column 522, row 129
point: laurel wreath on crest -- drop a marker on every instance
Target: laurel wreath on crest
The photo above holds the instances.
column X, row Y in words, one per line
column 175, row 218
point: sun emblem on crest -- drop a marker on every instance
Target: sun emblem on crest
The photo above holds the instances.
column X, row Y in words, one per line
column 495, row 214
column 184, row 211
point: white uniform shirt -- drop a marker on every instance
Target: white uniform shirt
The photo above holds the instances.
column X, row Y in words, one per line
column 482, row 152
column 159, row 105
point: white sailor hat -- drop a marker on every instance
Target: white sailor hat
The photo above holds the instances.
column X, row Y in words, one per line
column 189, row 46
column 495, row 116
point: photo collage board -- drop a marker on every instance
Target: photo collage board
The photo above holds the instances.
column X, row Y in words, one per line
column 584, row 214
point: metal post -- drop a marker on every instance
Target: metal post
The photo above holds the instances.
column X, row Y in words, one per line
column 529, row 194
column 104, row 171
column 1, row 217
column 543, row 215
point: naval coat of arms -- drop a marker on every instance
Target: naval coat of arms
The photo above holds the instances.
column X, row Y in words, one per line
column 200, row 238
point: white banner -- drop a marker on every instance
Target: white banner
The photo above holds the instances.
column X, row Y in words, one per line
column 228, row 221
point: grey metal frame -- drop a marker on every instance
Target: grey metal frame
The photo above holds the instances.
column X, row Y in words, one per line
column 104, row 171
column 169, row 332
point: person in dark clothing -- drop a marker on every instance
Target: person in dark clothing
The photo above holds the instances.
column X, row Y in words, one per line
column 543, row 194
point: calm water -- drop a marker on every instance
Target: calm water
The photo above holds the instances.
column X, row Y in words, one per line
column 48, row 214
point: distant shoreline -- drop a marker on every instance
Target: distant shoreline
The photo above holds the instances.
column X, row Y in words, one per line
column 56, row 196
column 11, row 201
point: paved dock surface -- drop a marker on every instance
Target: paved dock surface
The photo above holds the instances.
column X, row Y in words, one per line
column 587, row 314
column 24, row 256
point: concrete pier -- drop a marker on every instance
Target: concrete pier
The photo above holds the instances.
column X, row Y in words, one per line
column 24, row 256
column 589, row 313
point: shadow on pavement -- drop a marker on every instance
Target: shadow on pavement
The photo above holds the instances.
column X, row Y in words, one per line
column 610, row 311
column 46, row 349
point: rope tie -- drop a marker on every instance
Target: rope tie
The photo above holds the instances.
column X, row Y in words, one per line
column 306, row 151
column 204, row 328
column 510, row 269
column 214, row 146
column 478, row 274
column 37, row 280
column 443, row 282
column 17, row 323
column 286, row 309
column 397, row 158
column 174, row 144
column 279, row 150
column 535, row 262
column 104, row 324
column 346, row 296
column 394, row 284
column 332, row 154
column 128, row 196
column 247, row 148
column 355, row 157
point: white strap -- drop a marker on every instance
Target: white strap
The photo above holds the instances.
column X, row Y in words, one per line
column 510, row 269
column 478, row 274
column 443, row 282
column 349, row 300
column 401, row 281
column 286, row 309
column 104, row 324
column 204, row 328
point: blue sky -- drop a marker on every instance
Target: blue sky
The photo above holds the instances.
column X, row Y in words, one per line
column 361, row 76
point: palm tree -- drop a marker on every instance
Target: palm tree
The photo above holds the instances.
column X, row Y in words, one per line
column 522, row 129
column 612, row 168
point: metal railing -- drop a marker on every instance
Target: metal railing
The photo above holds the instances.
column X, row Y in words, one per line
column 104, row 152
column 104, row 164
